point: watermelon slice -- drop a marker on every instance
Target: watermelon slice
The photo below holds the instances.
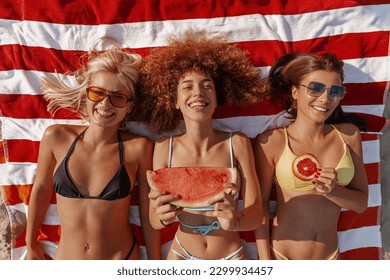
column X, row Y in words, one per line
column 305, row 166
column 194, row 185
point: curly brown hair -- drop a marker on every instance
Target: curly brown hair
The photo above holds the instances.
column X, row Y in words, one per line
column 236, row 79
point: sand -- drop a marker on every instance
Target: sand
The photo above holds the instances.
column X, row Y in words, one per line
column 5, row 232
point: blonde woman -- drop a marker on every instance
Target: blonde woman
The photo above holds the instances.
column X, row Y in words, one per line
column 93, row 169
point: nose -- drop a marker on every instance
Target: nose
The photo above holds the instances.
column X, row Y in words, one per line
column 106, row 100
column 198, row 91
column 324, row 97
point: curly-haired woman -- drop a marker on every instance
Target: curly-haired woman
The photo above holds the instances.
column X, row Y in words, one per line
column 187, row 80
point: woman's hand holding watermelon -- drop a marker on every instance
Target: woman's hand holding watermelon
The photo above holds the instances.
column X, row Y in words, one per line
column 165, row 211
column 225, row 207
column 325, row 180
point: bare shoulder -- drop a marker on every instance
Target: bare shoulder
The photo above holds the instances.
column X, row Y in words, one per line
column 60, row 133
column 135, row 141
column 271, row 137
column 349, row 132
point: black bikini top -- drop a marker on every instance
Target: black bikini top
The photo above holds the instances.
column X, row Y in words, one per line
column 118, row 187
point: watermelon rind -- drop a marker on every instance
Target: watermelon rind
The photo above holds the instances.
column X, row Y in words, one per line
column 207, row 182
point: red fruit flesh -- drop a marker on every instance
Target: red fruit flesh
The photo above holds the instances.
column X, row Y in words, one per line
column 305, row 166
column 195, row 186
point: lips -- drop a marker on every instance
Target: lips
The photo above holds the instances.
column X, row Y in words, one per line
column 321, row 109
column 104, row 113
column 198, row 104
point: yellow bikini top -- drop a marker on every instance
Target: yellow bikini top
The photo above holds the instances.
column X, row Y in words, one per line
column 285, row 178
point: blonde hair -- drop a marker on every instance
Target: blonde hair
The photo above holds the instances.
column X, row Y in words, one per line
column 112, row 59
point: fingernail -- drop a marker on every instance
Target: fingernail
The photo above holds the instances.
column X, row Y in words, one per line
column 319, row 169
column 313, row 182
column 316, row 176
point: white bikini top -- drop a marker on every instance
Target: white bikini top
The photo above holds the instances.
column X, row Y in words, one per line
column 211, row 207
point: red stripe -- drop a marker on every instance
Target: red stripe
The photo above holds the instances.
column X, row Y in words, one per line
column 248, row 236
column 368, row 253
column 372, row 44
column 33, row 106
column 2, row 152
column 23, row 150
column 46, row 233
column 15, row 194
column 364, row 94
column 372, row 171
column 350, row 220
column 29, row 107
column 89, row 12
column 369, row 137
column 264, row 108
column 374, row 123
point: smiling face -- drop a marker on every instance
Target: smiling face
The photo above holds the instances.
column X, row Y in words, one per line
column 103, row 113
column 316, row 108
column 196, row 97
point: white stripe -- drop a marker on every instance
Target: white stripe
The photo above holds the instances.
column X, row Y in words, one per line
column 367, row 70
column 17, row 173
column 31, row 129
column 376, row 110
column 239, row 28
column 374, row 195
column 360, row 70
column 27, row 81
column 19, row 253
column 359, row 238
column 371, row 153
column 51, row 217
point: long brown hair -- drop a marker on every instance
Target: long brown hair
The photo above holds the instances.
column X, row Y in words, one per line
column 292, row 68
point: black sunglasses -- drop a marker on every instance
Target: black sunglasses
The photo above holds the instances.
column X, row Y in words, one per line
column 316, row 89
column 97, row 94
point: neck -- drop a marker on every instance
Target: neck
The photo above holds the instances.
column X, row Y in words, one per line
column 200, row 136
column 99, row 136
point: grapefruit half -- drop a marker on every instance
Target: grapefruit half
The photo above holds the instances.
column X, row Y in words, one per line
column 305, row 166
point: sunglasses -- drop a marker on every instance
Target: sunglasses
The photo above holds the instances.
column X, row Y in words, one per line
column 117, row 99
column 317, row 89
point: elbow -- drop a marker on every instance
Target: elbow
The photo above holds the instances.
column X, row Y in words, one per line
column 363, row 205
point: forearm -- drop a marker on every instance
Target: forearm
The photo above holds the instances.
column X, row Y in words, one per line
column 350, row 199
column 263, row 239
column 152, row 239
column 38, row 205
column 249, row 218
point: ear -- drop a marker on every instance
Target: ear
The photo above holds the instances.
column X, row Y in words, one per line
column 129, row 108
column 177, row 103
column 294, row 92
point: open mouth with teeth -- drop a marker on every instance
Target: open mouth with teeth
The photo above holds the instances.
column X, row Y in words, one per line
column 103, row 113
column 321, row 109
column 198, row 104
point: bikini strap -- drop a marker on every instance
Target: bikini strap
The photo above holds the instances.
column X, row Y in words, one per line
column 231, row 150
column 170, row 151
column 120, row 144
column 285, row 135
column 338, row 132
column 70, row 151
